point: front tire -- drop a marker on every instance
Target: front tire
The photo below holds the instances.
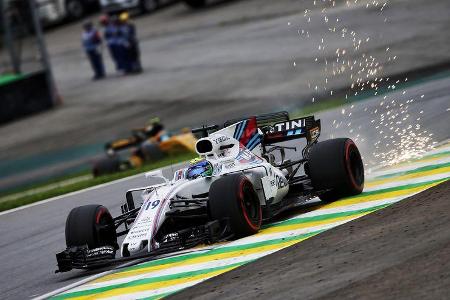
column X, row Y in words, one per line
column 336, row 165
column 233, row 197
column 90, row 225
column 106, row 165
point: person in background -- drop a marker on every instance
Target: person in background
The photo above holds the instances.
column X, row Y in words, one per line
column 92, row 43
column 110, row 34
column 127, row 31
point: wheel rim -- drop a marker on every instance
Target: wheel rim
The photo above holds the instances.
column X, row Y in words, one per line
column 250, row 207
column 102, row 225
column 356, row 166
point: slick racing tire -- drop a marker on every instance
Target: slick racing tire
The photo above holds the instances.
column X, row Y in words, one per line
column 90, row 225
column 106, row 165
column 233, row 197
column 195, row 3
column 336, row 165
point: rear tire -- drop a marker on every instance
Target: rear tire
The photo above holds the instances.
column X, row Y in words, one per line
column 233, row 197
column 106, row 165
column 90, row 225
column 336, row 165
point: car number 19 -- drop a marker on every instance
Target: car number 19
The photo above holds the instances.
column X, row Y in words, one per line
column 152, row 204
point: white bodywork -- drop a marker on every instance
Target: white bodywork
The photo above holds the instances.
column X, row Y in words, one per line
column 269, row 182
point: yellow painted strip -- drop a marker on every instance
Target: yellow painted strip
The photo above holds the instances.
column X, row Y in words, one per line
column 232, row 254
column 375, row 197
column 339, row 203
column 197, row 260
column 407, row 176
column 417, row 160
column 290, row 227
column 423, row 160
column 238, row 253
column 153, row 286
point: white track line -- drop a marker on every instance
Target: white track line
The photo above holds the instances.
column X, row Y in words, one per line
column 146, row 294
column 176, row 270
column 409, row 167
column 131, row 263
column 178, row 287
column 80, row 191
column 441, row 147
column 70, row 194
column 395, row 183
column 78, row 283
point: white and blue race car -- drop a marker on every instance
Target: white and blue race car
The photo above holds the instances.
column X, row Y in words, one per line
column 241, row 179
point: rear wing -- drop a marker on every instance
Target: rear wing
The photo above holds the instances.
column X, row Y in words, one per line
column 263, row 120
column 307, row 127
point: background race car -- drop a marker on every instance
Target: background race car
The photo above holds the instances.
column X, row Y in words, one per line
column 147, row 144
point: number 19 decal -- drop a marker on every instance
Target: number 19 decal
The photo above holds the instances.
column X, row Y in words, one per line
column 152, row 205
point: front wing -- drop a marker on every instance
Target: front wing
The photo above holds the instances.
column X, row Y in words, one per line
column 82, row 257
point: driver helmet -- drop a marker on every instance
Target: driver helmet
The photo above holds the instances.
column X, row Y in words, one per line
column 199, row 167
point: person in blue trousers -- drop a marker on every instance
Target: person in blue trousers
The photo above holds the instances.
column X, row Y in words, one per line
column 111, row 36
column 92, row 43
column 129, row 40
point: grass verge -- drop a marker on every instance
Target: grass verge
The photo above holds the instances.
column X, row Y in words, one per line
column 63, row 185
column 29, row 198
column 316, row 107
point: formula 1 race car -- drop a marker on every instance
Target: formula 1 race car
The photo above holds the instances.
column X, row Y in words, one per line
column 241, row 179
column 147, row 144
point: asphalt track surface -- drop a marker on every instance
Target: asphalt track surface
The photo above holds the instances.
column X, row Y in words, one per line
column 31, row 236
column 400, row 252
column 161, row 277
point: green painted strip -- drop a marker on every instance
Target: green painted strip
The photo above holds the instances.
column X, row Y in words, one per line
column 187, row 274
column 325, row 216
column 418, row 170
column 439, row 154
column 159, row 296
column 220, row 250
column 169, row 260
column 415, row 160
column 143, row 281
column 397, row 188
column 236, row 248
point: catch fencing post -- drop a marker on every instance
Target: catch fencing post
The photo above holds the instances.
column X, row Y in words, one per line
column 45, row 57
